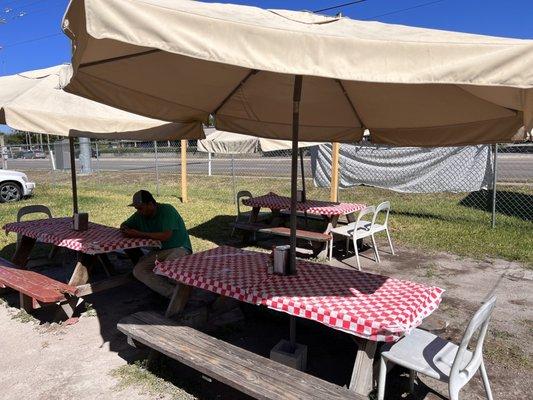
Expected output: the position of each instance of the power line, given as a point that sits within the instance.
(339, 6)
(30, 40)
(405, 9)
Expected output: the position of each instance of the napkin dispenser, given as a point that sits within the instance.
(281, 260)
(80, 221)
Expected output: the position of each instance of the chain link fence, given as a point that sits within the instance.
(511, 202)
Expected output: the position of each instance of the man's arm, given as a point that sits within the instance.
(161, 236)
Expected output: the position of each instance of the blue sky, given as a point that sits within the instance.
(30, 37)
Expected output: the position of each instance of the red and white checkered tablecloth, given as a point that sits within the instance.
(224, 270)
(327, 208)
(370, 306)
(97, 239)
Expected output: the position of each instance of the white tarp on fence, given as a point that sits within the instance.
(406, 169)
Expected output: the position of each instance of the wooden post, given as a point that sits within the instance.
(184, 198)
(334, 171)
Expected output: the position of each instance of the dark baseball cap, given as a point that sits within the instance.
(142, 197)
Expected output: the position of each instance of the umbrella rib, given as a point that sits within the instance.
(350, 103)
(242, 82)
(108, 60)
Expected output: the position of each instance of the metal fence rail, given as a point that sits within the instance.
(513, 174)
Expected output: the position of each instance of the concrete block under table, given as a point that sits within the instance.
(284, 354)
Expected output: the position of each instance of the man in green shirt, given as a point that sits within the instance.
(161, 222)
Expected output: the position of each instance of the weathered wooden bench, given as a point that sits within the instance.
(300, 234)
(247, 372)
(35, 289)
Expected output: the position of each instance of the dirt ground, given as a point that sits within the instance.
(43, 360)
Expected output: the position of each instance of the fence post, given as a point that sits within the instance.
(184, 195)
(494, 181)
(97, 157)
(156, 168)
(334, 194)
(209, 171)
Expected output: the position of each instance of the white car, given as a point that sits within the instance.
(14, 186)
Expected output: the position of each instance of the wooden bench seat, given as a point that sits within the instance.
(33, 285)
(300, 234)
(250, 226)
(247, 372)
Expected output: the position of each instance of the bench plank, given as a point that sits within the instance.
(250, 373)
(300, 234)
(33, 284)
(250, 226)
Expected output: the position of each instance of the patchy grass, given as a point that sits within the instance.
(512, 355)
(89, 310)
(429, 222)
(137, 375)
(24, 317)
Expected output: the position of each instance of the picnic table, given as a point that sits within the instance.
(329, 210)
(373, 308)
(91, 247)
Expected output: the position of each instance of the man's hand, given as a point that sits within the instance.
(131, 233)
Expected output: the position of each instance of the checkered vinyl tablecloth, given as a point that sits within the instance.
(97, 239)
(370, 306)
(327, 208)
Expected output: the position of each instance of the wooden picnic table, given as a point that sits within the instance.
(373, 308)
(329, 210)
(91, 247)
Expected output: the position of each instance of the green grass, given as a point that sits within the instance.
(137, 375)
(428, 222)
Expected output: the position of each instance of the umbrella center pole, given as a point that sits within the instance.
(73, 176)
(297, 94)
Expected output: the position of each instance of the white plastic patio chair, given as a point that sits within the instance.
(244, 216)
(34, 209)
(355, 230)
(377, 227)
(428, 354)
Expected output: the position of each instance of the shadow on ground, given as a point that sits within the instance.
(513, 204)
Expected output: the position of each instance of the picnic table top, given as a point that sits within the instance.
(97, 239)
(371, 306)
(327, 208)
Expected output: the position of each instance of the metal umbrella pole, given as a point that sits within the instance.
(73, 176)
(297, 94)
(304, 195)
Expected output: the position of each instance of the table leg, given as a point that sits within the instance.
(80, 275)
(362, 381)
(134, 254)
(331, 223)
(109, 268)
(254, 214)
(178, 300)
(23, 251)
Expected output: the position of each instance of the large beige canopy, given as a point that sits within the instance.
(181, 60)
(223, 142)
(33, 101)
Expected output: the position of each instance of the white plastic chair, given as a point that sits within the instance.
(355, 230)
(377, 227)
(34, 209)
(428, 354)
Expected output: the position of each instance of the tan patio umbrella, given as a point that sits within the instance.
(293, 75)
(33, 101)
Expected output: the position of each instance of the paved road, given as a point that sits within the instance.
(511, 167)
